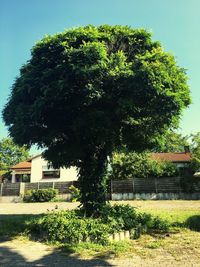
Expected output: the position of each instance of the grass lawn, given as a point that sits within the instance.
(174, 211)
(177, 212)
(12, 226)
(175, 244)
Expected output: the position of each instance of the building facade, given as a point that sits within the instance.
(38, 169)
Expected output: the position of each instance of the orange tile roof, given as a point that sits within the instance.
(22, 165)
(173, 157)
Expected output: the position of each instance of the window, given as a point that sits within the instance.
(49, 172)
(26, 178)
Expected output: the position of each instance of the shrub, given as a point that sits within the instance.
(72, 227)
(75, 193)
(124, 217)
(190, 184)
(66, 226)
(130, 165)
(121, 217)
(193, 223)
(40, 195)
(150, 222)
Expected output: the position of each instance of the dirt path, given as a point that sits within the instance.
(34, 208)
(27, 253)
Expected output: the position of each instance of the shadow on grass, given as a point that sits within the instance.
(8, 257)
(12, 225)
(15, 225)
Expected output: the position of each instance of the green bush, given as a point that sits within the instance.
(121, 217)
(72, 227)
(190, 184)
(150, 222)
(66, 226)
(75, 193)
(130, 165)
(193, 223)
(124, 217)
(40, 195)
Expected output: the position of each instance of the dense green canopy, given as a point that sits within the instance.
(11, 154)
(90, 90)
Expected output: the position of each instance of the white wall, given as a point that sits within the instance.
(69, 174)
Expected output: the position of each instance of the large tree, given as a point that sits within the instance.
(90, 90)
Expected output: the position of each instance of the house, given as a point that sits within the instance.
(38, 169)
(180, 159)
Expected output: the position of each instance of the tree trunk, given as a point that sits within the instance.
(92, 179)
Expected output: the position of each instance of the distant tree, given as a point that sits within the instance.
(139, 165)
(195, 149)
(172, 141)
(195, 144)
(11, 154)
(90, 90)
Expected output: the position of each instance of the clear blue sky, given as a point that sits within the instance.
(175, 23)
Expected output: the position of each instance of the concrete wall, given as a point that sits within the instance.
(18, 199)
(156, 196)
(69, 174)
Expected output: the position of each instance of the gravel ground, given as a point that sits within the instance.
(27, 253)
(34, 208)
(37, 208)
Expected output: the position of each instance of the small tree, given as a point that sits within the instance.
(90, 90)
(10, 154)
(171, 141)
(195, 149)
(139, 165)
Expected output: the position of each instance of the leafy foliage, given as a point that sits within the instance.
(195, 147)
(153, 222)
(171, 141)
(193, 222)
(73, 227)
(66, 226)
(90, 90)
(130, 165)
(75, 193)
(120, 217)
(40, 195)
(190, 183)
(11, 154)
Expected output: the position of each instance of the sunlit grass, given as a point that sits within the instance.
(177, 213)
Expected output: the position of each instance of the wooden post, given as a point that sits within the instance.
(1, 189)
(133, 186)
(156, 186)
(21, 189)
(179, 185)
(111, 189)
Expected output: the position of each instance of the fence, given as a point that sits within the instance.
(9, 189)
(147, 185)
(148, 188)
(17, 189)
(152, 188)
